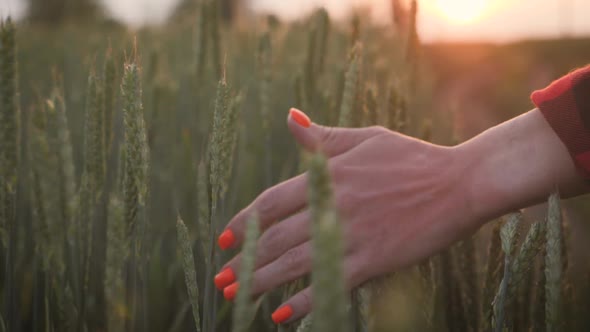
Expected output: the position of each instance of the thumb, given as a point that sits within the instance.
(330, 140)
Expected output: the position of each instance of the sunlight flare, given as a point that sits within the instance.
(462, 11)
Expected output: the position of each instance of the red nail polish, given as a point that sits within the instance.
(230, 291)
(282, 314)
(226, 239)
(224, 278)
(301, 118)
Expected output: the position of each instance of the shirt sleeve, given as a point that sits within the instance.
(565, 104)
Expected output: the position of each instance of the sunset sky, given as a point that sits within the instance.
(494, 20)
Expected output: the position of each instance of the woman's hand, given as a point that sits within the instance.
(400, 200)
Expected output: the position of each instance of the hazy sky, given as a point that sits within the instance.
(497, 20)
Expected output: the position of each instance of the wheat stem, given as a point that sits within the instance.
(350, 89)
(553, 264)
(190, 273)
(328, 284)
(244, 309)
(509, 237)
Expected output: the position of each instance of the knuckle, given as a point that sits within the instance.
(266, 203)
(377, 130)
(292, 260)
(271, 238)
(355, 275)
(306, 299)
(328, 135)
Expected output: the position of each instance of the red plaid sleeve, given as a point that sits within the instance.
(566, 106)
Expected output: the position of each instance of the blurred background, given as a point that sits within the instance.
(483, 44)
(471, 65)
(477, 20)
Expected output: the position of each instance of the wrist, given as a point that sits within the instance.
(514, 165)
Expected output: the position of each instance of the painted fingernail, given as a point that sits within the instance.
(230, 291)
(224, 278)
(226, 239)
(301, 118)
(282, 314)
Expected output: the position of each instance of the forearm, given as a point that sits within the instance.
(517, 164)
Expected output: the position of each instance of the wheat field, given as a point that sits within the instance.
(123, 154)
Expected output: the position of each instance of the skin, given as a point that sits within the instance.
(402, 196)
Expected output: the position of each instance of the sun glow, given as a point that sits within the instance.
(462, 11)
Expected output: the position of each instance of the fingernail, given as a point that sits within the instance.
(224, 278)
(282, 314)
(226, 239)
(230, 291)
(301, 118)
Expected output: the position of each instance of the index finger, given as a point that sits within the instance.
(275, 203)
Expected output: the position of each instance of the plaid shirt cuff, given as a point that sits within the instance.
(566, 106)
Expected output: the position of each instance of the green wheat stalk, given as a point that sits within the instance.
(94, 171)
(234, 130)
(509, 237)
(94, 136)
(135, 186)
(39, 151)
(219, 145)
(537, 311)
(8, 106)
(446, 290)
(350, 89)
(524, 292)
(8, 162)
(306, 324)
(355, 24)
(426, 132)
(83, 215)
(110, 95)
(456, 303)
(244, 309)
(370, 108)
(2, 324)
(67, 187)
(265, 83)
(328, 285)
(190, 273)
(65, 307)
(323, 30)
(65, 155)
(99, 220)
(467, 263)
(553, 264)
(214, 29)
(203, 208)
(298, 90)
(427, 293)
(309, 70)
(334, 115)
(493, 276)
(520, 269)
(201, 44)
(116, 249)
(402, 121)
(393, 100)
(568, 300)
(60, 180)
(135, 178)
(523, 261)
(412, 46)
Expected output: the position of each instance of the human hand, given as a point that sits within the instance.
(399, 199)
